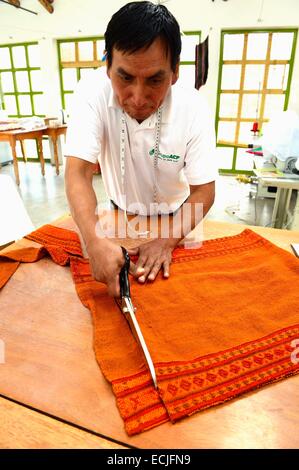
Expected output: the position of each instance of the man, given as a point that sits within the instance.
(155, 142)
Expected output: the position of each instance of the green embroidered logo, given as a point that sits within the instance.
(163, 156)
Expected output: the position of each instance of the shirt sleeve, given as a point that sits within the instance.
(200, 160)
(85, 129)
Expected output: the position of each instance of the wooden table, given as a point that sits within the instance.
(37, 134)
(50, 366)
(53, 133)
(24, 428)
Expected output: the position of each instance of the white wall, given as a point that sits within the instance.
(76, 18)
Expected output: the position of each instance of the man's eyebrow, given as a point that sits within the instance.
(158, 74)
(121, 71)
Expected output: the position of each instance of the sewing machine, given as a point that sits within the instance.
(290, 166)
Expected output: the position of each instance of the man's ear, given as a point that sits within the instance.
(175, 74)
(108, 70)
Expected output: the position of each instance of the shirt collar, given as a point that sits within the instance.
(112, 102)
(166, 106)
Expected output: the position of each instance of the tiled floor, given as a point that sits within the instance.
(45, 199)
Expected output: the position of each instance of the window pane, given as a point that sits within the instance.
(22, 81)
(10, 104)
(231, 75)
(281, 47)
(278, 76)
(233, 46)
(25, 105)
(85, 50)
(34, 55)
(224, 157)
(100, 49)
(243, 161)
(67, 51)
(245, 134)
(86, 72)
(251, 106)
(19, 57)
(257, 46)
(4, 58)
(36, 80)
(226, 131)
(39, 104)
(188, 47)
(273, 104)
(254, 76)
(7, 84)
(68, 98)
(229, 105)
(69, 77)
(187, 75)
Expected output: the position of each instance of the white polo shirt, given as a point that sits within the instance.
(186, 149)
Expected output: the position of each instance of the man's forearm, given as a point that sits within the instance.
(83, 202)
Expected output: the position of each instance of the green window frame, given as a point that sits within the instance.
(184, 64)
(72, 68)
(238, 97)
(13, 71)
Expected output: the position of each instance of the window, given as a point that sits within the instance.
(187, 60)
(20, 80)
(254, 82)
(77, 57)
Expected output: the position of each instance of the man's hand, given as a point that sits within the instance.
(156, 254)
(106, 260)
(153, 256)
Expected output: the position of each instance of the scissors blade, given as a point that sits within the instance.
(128, 310)
(129, 313)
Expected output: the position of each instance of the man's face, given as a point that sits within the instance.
(141, 80)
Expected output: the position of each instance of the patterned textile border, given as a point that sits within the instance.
(189, 386)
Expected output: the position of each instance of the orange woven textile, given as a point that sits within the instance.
(220, 326)
(60, 244)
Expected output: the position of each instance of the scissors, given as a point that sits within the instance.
(128, 310)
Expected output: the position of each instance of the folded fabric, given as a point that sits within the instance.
(220, 326)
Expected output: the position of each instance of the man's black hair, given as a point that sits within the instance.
(136, 26)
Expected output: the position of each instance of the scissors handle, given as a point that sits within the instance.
(124, 276)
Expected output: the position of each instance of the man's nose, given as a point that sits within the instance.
(139, 95)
